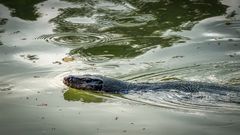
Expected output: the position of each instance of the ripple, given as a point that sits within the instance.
(5, 87)
(134, 21)
(209, 100)
(29, 83)
(98, 58)
(201, 101)
(76, 39)
(122, 48)
(219, 72)
(81, 20)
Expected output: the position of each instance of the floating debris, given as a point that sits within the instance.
(36, 76)
(68, 59)
(16, 32)
(177, 57)
(31, 57)
(57, 62)
(43, 104)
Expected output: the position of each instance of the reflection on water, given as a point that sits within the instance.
(140, 25)
(83, 96)
(3, 21)
(138, 41)
(125, 47)
(24, 9)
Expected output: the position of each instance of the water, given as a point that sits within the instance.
(138, 41)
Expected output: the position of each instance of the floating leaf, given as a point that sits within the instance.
(68, 59)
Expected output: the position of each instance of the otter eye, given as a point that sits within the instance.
(72, 79)
(87, 80)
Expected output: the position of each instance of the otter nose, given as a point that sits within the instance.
(65, 80)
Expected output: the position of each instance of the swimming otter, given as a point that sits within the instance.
(106, 84)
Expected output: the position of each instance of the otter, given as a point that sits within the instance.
(111, 85)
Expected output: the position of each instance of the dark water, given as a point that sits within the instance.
(41, 41)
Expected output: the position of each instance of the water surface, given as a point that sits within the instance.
(138, 41)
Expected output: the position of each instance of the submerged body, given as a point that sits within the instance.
(106, 84)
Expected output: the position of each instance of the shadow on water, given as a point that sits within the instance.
(24, 9)
(131, 27)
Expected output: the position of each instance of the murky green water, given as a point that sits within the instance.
(41, 41)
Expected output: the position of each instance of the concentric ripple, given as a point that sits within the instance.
(76, 39)
(123, 47)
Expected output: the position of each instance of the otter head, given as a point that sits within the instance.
(85, 82)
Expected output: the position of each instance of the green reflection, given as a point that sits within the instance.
(159, 15)
(3, 21)
(84, 96)
(143, 22)
(24, 9)
(126, 48)
(108, 51)
(171, 14)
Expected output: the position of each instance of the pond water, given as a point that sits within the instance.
(41, 41)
